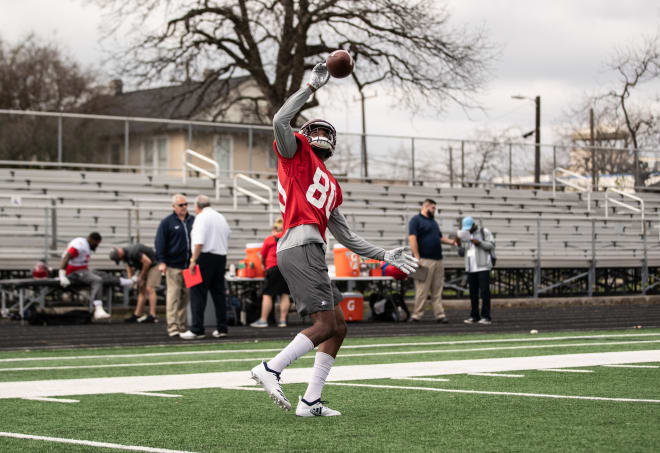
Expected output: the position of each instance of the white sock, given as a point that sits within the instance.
(98, 303)
(298, 347)
(322, 364)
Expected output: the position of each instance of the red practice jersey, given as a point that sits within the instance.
(308, 192)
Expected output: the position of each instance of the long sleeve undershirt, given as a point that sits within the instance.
(287, 146)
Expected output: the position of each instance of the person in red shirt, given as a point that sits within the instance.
(310, 197)
(274, 283)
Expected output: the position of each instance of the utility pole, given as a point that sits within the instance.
(537, 140)
(537, 135)
(365, 167)
(592, 140)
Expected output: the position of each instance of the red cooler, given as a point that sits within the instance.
(353, 306)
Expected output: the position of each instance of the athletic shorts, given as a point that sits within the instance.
(304, 269)
(153, 277)
(274, 283)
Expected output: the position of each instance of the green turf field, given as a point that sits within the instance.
(440, 393)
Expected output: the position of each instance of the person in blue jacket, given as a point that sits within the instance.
(173, 252)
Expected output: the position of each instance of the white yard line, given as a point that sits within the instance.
(161, 395)
(52, 400)
(362, 346)
(480, 392)
(631, 366)
(497, 375)
(430, 379)
(231, 379)
(90, 443)
(311, 356)
(564, 370)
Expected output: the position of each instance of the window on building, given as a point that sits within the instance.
(222, 153)
(154, 155)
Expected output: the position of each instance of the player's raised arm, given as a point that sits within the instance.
(284, 138)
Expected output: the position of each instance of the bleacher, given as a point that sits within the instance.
(129, 206)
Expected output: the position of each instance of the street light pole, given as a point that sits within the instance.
(537, 135)
(537, 140)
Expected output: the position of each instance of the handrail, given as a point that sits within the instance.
(568, 183)
(625, 205)
(268, 202)
(215, 177)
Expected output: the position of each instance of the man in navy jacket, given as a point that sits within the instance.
(173, 252)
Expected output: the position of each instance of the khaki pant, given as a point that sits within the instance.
(433, 284)
(176, 301)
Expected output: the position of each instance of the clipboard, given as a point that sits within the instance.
(192, 279)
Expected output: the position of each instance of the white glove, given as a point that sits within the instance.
(399, 258)
(134, 278)
(64, 282)
(319, 77)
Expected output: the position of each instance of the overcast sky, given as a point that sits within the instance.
(554, 49)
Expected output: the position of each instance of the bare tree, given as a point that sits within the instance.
(38, 75)
(634, 66)
(407, 44)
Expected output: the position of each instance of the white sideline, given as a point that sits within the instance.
(561, 370)
(430, 379)
(362, 346)
(161, 395)
(311, 356)
(94, 386)
(496, 375)
(481, 392)
(52, 400)
(631, 366)
(90, 443)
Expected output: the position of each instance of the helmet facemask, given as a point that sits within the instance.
(324, 141)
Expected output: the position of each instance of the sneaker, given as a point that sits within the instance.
(314, 409)
(470, 321)
(147, 319)
(100, 313)
(413, 320)
(259, 324)
(132, 319)
(219, 334)
(442, 320)
(485, 321)
(190, 335)
(281, 324)
(173, 334)
(270, 381)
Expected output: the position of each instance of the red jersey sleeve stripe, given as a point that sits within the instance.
(73, 252)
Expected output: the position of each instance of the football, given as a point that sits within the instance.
(339, 64)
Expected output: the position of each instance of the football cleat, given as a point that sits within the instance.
(314, 409)
(270, 381)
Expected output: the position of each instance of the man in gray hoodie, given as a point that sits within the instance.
(478, 247)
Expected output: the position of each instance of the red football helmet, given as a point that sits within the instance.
(40, 270)
(319, 141)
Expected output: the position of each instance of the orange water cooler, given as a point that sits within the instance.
(347, 263)
(352, 306)
(253, 257)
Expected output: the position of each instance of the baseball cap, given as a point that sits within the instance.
(467, 223)
(114, 255)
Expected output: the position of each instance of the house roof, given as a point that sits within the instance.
(191, 100)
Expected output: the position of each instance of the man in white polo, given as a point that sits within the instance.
(210, 240)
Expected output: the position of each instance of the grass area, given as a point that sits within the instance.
(374, 419)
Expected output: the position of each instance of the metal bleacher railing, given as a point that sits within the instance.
(456, 162)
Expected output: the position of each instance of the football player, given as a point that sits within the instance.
(309, 199)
